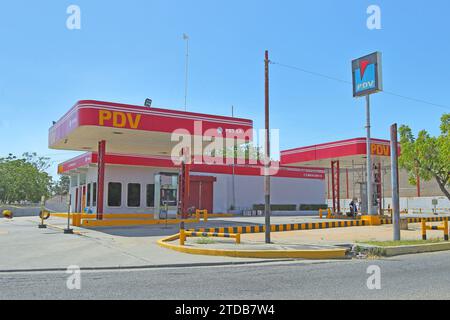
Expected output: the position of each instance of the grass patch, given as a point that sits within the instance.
(400, 243)
(205, 240)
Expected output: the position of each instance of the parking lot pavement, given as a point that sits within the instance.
(25, 247)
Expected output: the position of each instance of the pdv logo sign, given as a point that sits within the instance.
(367, 75)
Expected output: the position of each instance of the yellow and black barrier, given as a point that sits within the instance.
(443, 227)
(307, 226)
(184, 234)
(285, 227)
(416, 220)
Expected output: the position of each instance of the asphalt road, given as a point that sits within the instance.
(424, 276)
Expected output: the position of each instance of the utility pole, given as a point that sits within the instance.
(186, 37)
(395, 187)
(267, 152)
(369, 160)
(233, 179)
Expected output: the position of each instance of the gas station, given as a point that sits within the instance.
(128, 167)
(144, 160)
(345, 162)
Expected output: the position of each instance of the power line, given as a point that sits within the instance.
(311, 72)
(416, 100)
(317, 74)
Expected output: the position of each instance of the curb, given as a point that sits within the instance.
(147, 267)
(328, 254)
(128, 223)
(411, 249)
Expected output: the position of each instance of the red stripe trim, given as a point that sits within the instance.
(87, 113)
(333, 150)
(166, 111)
(330, 144)
(166, 162)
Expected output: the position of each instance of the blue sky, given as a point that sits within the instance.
(129, 50)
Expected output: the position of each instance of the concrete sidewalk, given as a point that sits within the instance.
(26, 247)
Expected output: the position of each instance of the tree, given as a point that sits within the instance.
(246, 151)
(24, 179)
(61, 187)
(427, 157)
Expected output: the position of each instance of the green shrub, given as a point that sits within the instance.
(276, 207)
(313, 207)
(205, 240)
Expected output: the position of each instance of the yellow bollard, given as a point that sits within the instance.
(446, 229)
(320, 213)
(197, 215)
(424, 229)
(205, 215)
(76, 219)
(238, 238)
(182, 234)
(7, 214)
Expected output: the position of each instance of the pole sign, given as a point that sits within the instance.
(366, 72)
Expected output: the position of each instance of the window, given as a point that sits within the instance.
(134, 195)
(94, 194)
(150, 195)
(88, 196)
(114, 194)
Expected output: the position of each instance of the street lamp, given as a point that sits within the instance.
(148, 103)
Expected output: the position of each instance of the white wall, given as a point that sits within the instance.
(249, 190)
(412, 204)
(124, 175)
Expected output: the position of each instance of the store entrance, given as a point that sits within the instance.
(201, 192)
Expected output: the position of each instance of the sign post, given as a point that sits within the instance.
(267, 210)
(42, 225)
(395, 187)
(68, 230)
(367, 79)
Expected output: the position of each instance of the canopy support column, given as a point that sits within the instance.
(100, 178)
(183, 184)
(335, 185)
